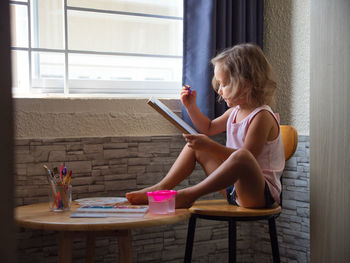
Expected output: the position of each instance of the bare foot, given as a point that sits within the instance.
(184, 199)
(140, 197)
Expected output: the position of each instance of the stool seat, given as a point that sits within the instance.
(221, 207)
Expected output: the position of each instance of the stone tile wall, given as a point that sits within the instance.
(115, 165)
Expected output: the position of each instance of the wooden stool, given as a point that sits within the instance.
(221, 210)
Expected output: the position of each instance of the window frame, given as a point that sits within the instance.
(121, 87)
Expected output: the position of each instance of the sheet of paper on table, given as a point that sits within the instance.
(124, 211)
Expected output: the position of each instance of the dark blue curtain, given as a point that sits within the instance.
(209, 27)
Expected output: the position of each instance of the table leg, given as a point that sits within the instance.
(90, 248)
(65, 247)
(125, 246)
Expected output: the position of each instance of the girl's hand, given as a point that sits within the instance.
(188, 97)
(198, 142)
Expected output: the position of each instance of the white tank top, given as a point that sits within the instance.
(271, 159)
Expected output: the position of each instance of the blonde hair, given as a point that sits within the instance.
(247, 66)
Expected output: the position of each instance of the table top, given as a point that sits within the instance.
(39, 216)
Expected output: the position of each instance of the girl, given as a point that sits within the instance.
(251, 163)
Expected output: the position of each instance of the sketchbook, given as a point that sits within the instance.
(103, 215)
(101, 201)
(170, 116)
(110, 211)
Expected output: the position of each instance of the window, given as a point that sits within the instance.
(106, 48)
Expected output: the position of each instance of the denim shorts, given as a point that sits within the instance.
(231, 196)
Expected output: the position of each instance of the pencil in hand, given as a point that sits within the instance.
(188, 87)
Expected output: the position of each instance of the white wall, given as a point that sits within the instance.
(62, 118)
(287, 46)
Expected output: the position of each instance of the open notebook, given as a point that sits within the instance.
(170, 116)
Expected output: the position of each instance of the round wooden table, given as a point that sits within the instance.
(38, 216)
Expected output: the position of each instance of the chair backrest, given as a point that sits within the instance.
(290, 140)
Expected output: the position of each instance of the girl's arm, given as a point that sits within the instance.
(263, 128)
(203, 124)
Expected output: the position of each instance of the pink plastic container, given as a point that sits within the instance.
(161, 201)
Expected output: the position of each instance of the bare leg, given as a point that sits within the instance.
(180, 170)
(241, 169)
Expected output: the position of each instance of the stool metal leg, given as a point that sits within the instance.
(190, 238)
(274, 240)
(232, 241)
